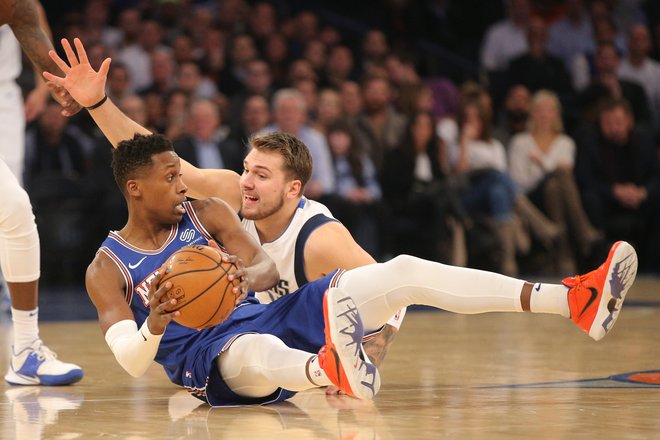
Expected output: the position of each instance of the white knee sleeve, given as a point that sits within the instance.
(19, 239)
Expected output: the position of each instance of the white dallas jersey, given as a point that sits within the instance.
(288, 249)
(10, 55)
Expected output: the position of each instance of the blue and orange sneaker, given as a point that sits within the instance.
(38, 365)
(595, 299)
(343, 358)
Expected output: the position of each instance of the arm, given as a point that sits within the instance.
(134, 349)
(87, 87)
(223, 224)
(31, 29)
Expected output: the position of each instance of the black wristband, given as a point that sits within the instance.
(98, 104)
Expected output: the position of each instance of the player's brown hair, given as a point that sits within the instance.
(297, 160)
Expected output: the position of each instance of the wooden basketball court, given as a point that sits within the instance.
(447, 376)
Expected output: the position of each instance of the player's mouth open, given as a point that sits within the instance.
(249, 199)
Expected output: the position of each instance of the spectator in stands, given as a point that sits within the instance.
(617, 171)
(189, 79)
(207, 145)
(255, 117)
(262, 21)
(328, 111)
(506, 39)
(488, 193)
(356, 200)
(258, 81)
(638, 67)
(512, 119)
(418, 195)
(572, 34)
(162, 73)
(541, 163)
(536, 69)
(137, 56)
(379, 126)
(374, 48)
(118, 84)
(53, 148)
(290, 116)
(177, 108)
(351, 99)
(276, 53)
(339, 68)
(607, 84)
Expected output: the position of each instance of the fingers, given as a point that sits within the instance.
(70, 54)
(105, 67)
(59, 61)
(82, 55)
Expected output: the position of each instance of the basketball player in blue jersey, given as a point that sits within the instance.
(266, 352)
(300, 235)
(23, 25)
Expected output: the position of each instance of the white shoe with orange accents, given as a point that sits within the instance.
(595, 299)
(343, 358)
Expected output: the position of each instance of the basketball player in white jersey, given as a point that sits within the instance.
(300, 235)
(32, 363)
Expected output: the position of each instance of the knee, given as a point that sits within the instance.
(16, 211)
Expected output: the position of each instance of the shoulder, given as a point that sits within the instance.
(330, 247)
(102, 271)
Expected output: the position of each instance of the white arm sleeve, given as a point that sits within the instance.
(134, 349)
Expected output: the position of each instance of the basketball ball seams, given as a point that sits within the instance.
(216, 281)
(194, 277)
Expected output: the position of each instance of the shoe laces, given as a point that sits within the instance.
(44, 352)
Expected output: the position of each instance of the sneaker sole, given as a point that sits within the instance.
(620, 276)
(359, 384)
(73, 376)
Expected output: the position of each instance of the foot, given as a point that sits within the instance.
(595, 299)
(343, 358)
(38, 365)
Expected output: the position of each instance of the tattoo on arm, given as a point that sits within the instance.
(33, 39)
(379, 345)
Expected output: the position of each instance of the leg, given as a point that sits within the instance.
(32, 363)
(593, 300)
(256, 365)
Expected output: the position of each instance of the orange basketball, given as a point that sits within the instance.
(200, 285)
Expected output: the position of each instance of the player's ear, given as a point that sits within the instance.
(295, 188)
(132, 188)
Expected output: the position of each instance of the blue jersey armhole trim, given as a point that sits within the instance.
(299, 255)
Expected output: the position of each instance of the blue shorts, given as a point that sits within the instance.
(297, 319)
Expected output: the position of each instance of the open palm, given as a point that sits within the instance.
(83, 83)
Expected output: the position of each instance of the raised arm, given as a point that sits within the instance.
(87, 87)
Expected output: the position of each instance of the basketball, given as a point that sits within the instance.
(200, 285)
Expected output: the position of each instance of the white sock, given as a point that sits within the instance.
(316, 374)
(26, 327)
(550, 298)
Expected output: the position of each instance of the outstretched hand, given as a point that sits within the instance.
(80, 80)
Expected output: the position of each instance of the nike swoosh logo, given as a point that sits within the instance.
(594, 295)
(537, 287)
(133, 266)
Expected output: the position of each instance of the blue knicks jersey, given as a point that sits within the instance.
(138, 266)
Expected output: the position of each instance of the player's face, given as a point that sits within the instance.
(264, 185)
(163, 190)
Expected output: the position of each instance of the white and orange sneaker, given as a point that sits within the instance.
(343, 358)
(595, 299)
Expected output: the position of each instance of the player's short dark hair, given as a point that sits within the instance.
(134, 154)
(297, 159)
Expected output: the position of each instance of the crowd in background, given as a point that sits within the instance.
(516, 136)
